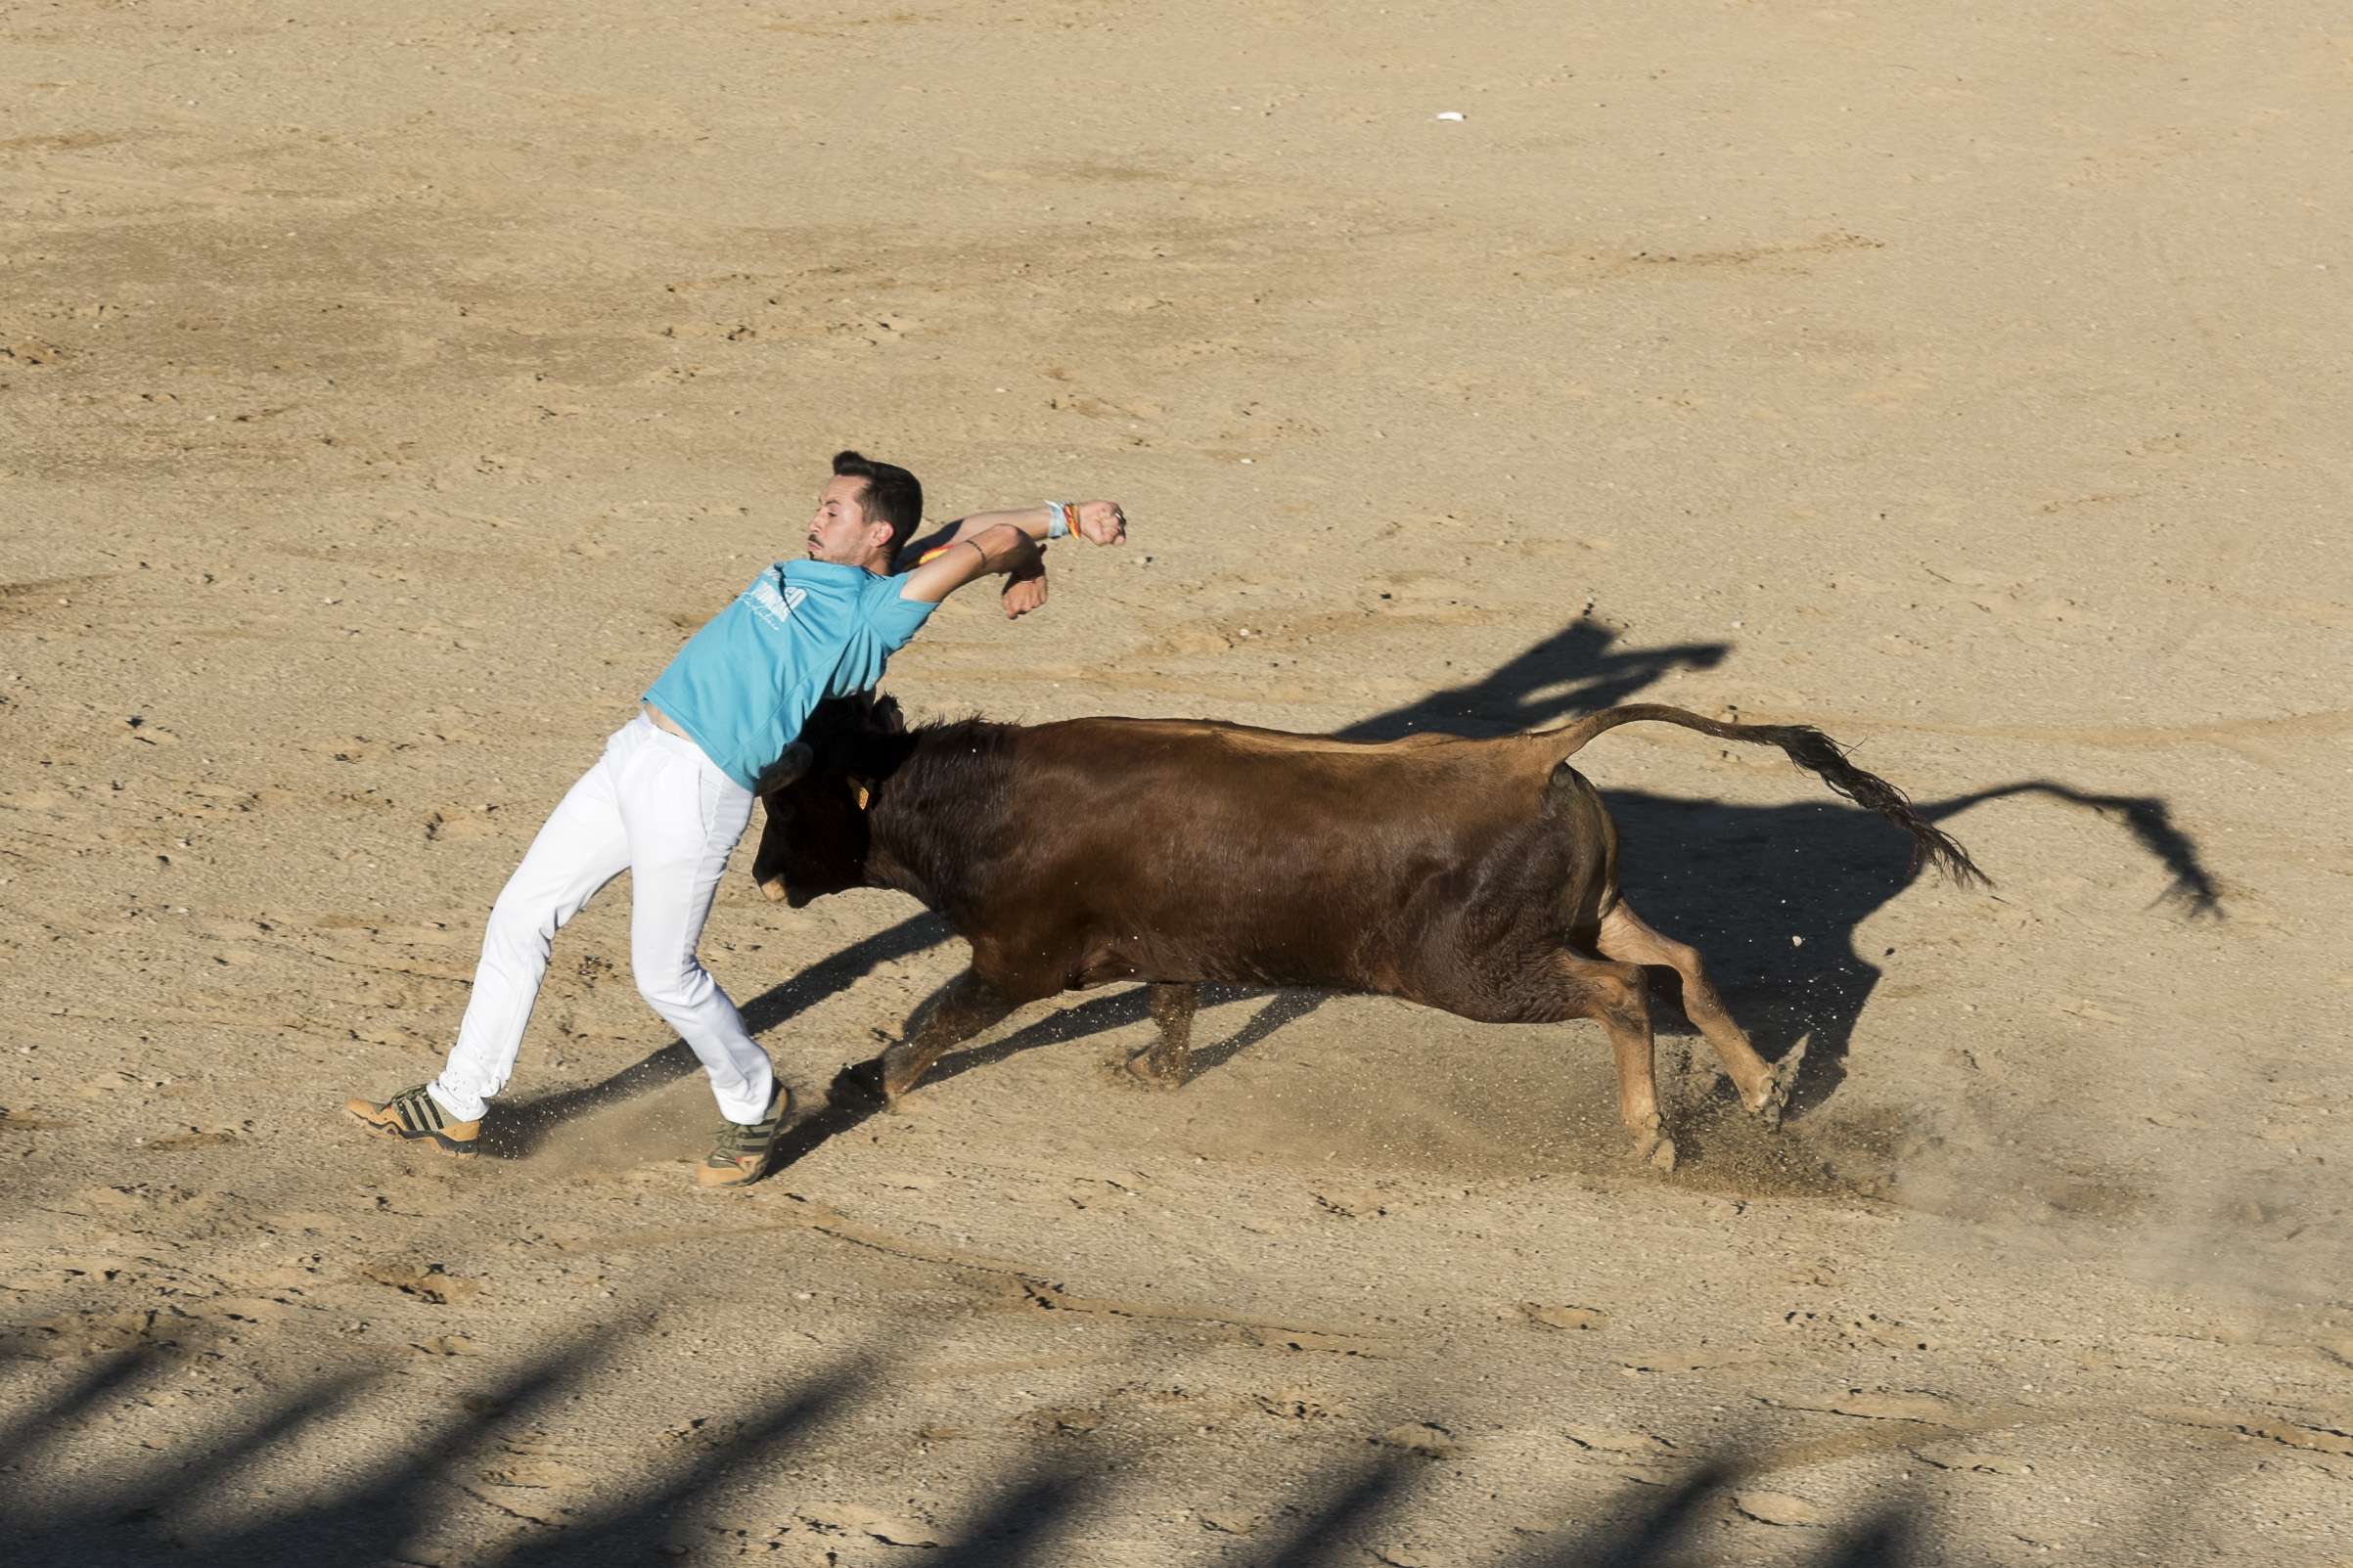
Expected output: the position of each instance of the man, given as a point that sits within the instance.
(673, 792)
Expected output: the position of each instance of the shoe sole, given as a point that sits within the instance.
(444, 1146)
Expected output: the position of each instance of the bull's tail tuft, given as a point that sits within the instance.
(1818, 754)
(1823, 758)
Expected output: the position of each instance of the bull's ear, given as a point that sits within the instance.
(788, 770)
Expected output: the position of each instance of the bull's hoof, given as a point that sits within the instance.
(1651, 1143)
(1148, 1066)
(897, 1071)
(861, 1081)
(1775, 1098)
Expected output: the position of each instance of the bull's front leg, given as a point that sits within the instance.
(962, 1009)
(1169, 1062)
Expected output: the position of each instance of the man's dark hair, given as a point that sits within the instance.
(892, 494)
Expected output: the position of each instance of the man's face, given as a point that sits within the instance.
(841, 532)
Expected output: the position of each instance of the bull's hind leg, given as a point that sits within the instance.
(1616, 997)
(1169, 1062)
(1764, 1088)
(950, 1018)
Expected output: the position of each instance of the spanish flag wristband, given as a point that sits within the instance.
(1062, 521)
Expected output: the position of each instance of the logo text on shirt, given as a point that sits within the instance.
(771, 603)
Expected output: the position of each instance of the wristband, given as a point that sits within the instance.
(1064, 520)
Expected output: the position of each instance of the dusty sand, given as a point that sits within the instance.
(387, 389)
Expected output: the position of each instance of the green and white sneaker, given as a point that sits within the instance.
(739, 1154)
(414, 1116)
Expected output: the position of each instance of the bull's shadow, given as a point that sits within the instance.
(1119, 1010)
(1774, 896)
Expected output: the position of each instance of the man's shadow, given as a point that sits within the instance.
(1575, 671)
(1739, 882)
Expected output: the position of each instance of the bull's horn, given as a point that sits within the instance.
(787, 770)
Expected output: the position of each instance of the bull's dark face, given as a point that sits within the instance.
(818, 795)
(816, 839)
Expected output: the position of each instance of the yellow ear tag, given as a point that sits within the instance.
(863, 796)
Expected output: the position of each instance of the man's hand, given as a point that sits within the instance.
(1101, 522)
(1024, 592)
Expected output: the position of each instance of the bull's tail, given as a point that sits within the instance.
(1818, 754)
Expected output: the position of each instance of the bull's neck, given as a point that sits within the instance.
(936, 820)
(895, 857)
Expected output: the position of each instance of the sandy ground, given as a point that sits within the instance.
(386, 390)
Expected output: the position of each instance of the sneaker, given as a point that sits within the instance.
(415, 1116)
(739, 1154)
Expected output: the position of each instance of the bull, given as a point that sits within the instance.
(1475, 876)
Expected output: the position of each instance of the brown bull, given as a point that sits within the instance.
(1479, 877)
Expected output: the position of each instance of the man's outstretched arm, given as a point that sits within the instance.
(1101, 521)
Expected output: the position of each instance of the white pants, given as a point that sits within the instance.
(655, 807)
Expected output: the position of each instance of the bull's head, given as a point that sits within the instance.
(818, 794)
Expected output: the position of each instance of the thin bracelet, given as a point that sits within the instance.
(976, 545)
(1058, 526)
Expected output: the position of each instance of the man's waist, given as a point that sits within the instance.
(663, 721)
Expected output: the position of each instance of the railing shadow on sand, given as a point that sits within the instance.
(419, 1499)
